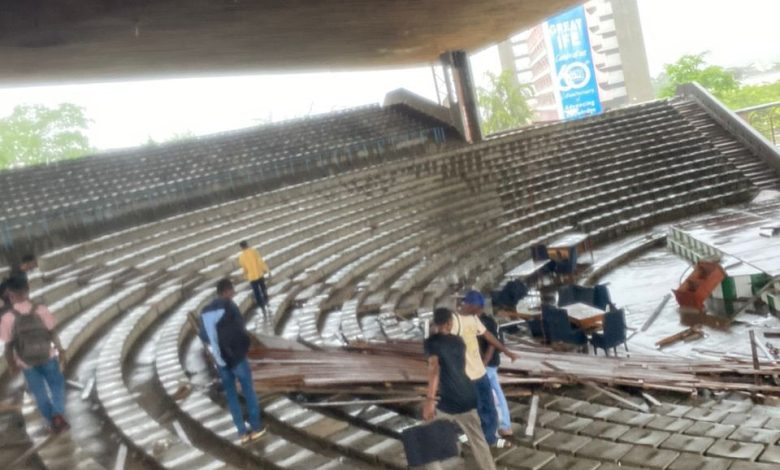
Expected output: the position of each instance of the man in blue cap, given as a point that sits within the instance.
(468, 326)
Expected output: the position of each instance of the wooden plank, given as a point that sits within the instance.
(121, 458)
(643, 407)
(87, 391)
(650, 399)
(532, 412)
(326, 404)
(754, 351)
(656, 312)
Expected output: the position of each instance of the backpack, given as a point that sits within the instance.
(232, 338)
(31, 339)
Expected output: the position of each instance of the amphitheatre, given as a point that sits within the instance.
(369, 218)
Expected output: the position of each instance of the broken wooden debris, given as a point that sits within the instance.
(656, 312)
(532, 412)
(615, 396)
(754, 351)
(691, 333)
(390, 370)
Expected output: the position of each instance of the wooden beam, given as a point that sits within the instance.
(529, 429)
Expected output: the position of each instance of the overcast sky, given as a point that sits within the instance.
(126, 114)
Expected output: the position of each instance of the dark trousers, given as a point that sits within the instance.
(486, 408)
(260, 291)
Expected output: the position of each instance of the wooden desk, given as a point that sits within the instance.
(584, 316)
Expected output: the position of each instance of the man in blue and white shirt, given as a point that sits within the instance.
(223, 329)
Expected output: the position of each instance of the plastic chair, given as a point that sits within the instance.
(614, 333)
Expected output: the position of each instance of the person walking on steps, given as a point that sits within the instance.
(255, 270)
(470, 328)
(32, 346)
(447, 377)
(492, 359)
(223, 329)
(21, 270)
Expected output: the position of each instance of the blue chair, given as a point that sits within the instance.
(601, 297)
(557, 327)
(539, 253)
(596, 296)
(614, 333)
(567, 295)
(535, 327)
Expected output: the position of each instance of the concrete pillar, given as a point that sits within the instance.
(467, 95)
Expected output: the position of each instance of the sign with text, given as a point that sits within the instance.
(576, 76)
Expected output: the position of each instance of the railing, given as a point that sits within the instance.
(214, 187)
(765, 118)
(746, 134)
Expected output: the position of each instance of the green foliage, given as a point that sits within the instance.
(724, 85)
(504, 103)
(176, 137)
(754, 95)
(693, 68)
(35, 134)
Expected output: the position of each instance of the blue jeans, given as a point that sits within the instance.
(243, 373)
(47, 384)
(503, 408)
(486, 409)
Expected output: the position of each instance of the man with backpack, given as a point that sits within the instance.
(255, 269)
(27, 329)
(222, 328)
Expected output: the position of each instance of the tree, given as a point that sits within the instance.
(726, 87)
(175, 137)
(693, 68)
(504, 103)
(34, 134)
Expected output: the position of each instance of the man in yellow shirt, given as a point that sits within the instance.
(468, 326)
(255, 270)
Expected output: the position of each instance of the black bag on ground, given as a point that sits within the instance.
(430, 442)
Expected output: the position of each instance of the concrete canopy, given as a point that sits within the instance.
(86, 40)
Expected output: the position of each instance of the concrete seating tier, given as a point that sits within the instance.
(756, 170)
(729, 432)
(194, 172)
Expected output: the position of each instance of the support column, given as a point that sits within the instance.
(467, 97)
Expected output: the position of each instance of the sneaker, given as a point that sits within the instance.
(252, 436)
(58, 424)
(502, 443)
(255, 435)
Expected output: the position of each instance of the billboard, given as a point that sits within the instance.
(573, 62)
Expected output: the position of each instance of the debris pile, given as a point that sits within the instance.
(399, 369)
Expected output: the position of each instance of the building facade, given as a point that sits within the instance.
(602, 38)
